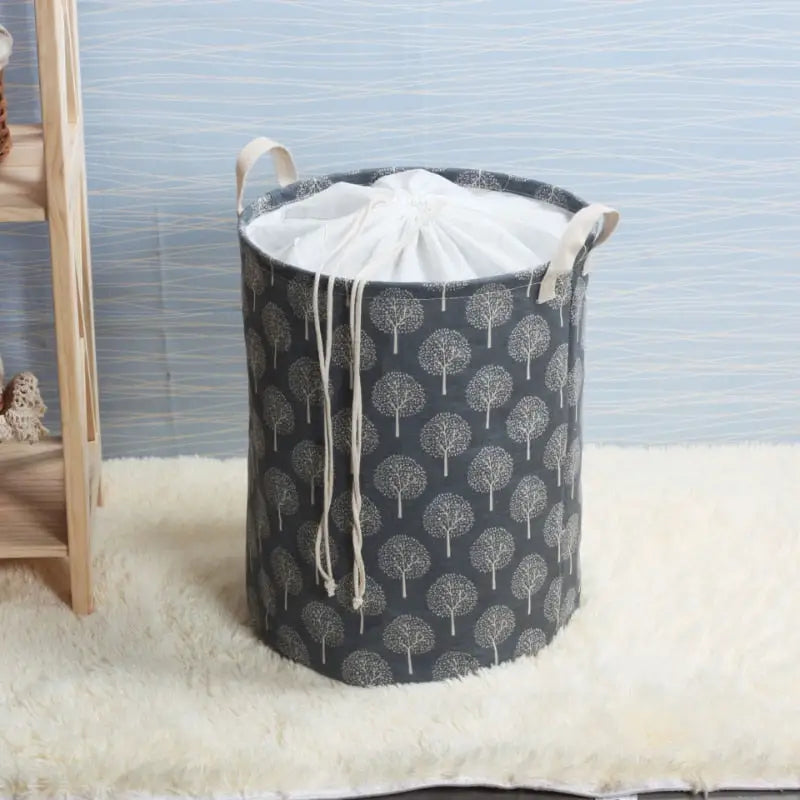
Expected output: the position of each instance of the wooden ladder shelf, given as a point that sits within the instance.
(49, 491)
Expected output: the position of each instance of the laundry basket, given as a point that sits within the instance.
(415, 357)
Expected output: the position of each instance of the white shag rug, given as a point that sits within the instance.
(680, 671)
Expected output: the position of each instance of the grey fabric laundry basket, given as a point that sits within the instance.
(470, 452)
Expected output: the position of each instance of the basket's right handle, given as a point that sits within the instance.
(251, 152)
(572, 240)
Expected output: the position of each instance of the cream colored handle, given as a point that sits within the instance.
(251, 152)
(572, 240)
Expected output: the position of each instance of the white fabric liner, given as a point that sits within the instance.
(425, 228)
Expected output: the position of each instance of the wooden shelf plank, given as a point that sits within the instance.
(23, 191)
(33, 516)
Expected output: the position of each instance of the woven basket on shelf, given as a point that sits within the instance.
(6, 43)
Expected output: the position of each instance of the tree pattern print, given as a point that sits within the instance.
(555, 378)
(471, 438)
(453, 664)
(529, 339)
(276, 331)
(281, 494)
(402, 557)
(452, 596)
(400, 477)
(445, 435)
(374, 603)
(492, 551)
(365, 668)
(488, 308)
(398, 395)
(277, 414)
(489, 388)
(493, 627)
(396, 311)
(305, 384)
(324, 625)
(448, 516)
(529, 577)
(445, 352)
(342, 351)
(528, 501)
(527, 421)
(490, 471)
(530, 642)
(410, 636)
(308, 463)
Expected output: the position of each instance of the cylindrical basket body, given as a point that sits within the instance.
(470, 462)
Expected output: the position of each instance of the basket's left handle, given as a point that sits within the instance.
(251, 152)
(573, 239)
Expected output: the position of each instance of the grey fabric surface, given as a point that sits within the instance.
(505, 410)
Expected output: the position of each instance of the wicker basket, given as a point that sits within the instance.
(6, 43)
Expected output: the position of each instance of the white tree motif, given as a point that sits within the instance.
(443, 288)
(451, 596)
(374, 603)
(402, 558)
(572, 465)
(528, 500)
(308, 186)
(276, 330)
(308, 464)
(397, 394)
(478, 179)
(490, 471)
(555, 376)
(256, 357)
(342, 514)
(254, 277)
(489, 307)
(286, 574)
(300, 293)
(490, 387)
(552, 602)
(342, 351)
(396, 311)
(530, 642)
(454, 665)
(278, 414)
(493, 627)
(528, 577)
(305, 383)
(342, 432)
(563, 295)
(529, 339)
(578, 308)
(568, 606)
(324, 625)
(575, 385)
(401, 477)
(365, 668)
(292, 646)
(281, 493)
(556, 451)
(445, 352)
(409, 635)
(307, 547)
(445, 435)
(492, 551)
(554, 528)
(527, 421)
(448, 516)
(572, 538)
(257, 440)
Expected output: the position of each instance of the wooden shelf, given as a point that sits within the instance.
(33, 515)
(23, 189)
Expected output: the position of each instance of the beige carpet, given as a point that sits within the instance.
(681, 670)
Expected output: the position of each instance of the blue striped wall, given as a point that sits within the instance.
(685, 115)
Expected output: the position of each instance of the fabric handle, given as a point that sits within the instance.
(251, 152)
(572, 240)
